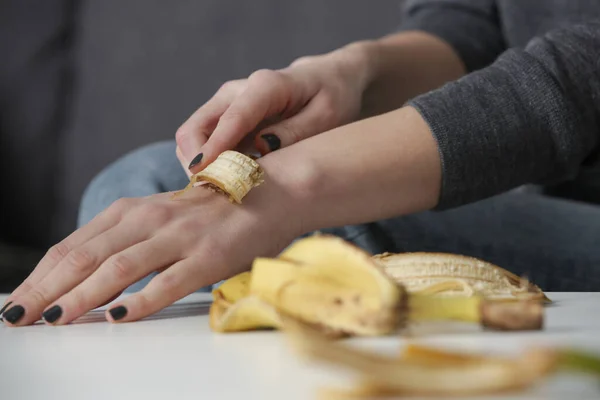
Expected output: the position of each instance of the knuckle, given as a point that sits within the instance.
(328, 107)
(293, 134)
(180, 134)
(213, 249)
(155, 213)
(188, 227)
(143, 304)
(227, 86)
(81, 260)
(267, 77)
(122, 267)
(78, 301)
(57, 252)
(302, 60)
(121, 205)
(168, 282)
(236, 120)
(39, 296)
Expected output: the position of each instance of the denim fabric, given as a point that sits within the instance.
(555, 242)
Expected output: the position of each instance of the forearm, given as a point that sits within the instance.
(372, 169)
(404, 65)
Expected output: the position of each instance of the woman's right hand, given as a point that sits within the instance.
(276, 108)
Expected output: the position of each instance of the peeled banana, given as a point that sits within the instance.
(328, 283)
(232, 173)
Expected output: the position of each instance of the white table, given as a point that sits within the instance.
(175, 355)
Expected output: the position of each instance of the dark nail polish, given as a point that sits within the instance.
(118, 312)
(52, 314)
(272, 140)
(14, 314)
(196, 161)
(5, 307)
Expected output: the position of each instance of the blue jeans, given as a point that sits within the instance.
(554, 242)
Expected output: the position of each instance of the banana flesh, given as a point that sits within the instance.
(232, 173)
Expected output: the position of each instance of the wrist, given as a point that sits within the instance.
(336, 179)
(283, 200)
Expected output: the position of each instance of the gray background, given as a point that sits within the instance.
(84, 82)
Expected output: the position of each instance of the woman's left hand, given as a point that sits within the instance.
(196, 240)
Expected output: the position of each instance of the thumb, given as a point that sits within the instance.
(312, 120)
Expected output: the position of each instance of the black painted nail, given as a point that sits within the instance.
(272, 140)
(14, 314)
(196, 161)
(118, 312)
(52, 314)
(5, 307)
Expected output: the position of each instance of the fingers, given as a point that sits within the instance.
(184, 163)
(318, 116)
(101, 223)
(115, 275)
(173, 284)
(268, 93)
(192, 135)
(75, 267)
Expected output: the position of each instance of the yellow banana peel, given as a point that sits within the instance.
(328, 283)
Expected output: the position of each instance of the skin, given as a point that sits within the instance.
(201, 238)
(316, 94)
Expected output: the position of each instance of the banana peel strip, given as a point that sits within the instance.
(457, 275)
(422, 371)
(232, 173)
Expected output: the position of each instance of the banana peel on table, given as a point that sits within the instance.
(427, 371)
(342, 290)
(322, 288)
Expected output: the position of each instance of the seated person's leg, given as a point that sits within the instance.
(553, 242)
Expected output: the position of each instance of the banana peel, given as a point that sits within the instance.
(422, 370)
(454, 275)
(428, 371)
(340, 289)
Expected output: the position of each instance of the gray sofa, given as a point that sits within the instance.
(84, 82)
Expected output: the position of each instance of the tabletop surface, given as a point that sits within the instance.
(175, 355)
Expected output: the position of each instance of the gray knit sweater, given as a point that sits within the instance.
(529, 109)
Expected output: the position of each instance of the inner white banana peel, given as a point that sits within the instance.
(456, 275)
(232, 173)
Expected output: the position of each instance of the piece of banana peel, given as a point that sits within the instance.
(456, 275)
(425, 371)
(341, 290)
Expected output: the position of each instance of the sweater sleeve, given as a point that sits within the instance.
(532, 116)
(470, 27)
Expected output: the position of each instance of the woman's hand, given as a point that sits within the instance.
(274, 109)
(196, 240)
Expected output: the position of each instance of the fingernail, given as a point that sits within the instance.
(118, 312)
(196, 161)
(14, 314)
(272, 140)
(52, 314)
(5, 307)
